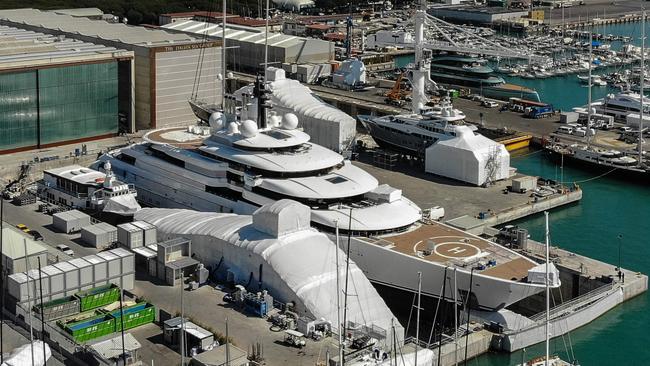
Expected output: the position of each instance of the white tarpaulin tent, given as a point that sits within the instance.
(475, 158)
(122, 205)
(327, 126)
(276, 250)
(22, 355)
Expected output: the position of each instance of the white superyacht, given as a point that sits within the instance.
(244, 164)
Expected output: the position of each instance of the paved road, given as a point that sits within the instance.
(42, 223)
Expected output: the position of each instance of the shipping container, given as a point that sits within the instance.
(97, 297)
(130, 235)
(91, 328)
(149, 232)
(70, 277)
(113, 264)
(57, 281)
(59, 308)
(18, 286)
(128, 259)
(99, 235)
(70, 221)
(85, 268)
(99, 268)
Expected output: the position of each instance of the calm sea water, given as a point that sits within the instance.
(609, 207)
(566, 92)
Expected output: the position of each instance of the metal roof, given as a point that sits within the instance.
(14, 242)
(80, 12)
(241, 34)
(112, 348)
(25, 47)
(117, 32)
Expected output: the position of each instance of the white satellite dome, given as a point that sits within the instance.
(290, 121)
(249, 128)
(233, 127)
(275, 120)
(216, 120)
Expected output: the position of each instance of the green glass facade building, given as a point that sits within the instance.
(49, 106)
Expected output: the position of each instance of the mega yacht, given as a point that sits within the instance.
(411, 134)
(474, 73)
(621, 104)
(239, 165)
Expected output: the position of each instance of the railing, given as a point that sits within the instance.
(583, 299)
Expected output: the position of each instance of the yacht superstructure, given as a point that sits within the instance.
(621, 104)
(244, 164)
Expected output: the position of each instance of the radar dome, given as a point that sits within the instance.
(233, 128)
(249, 128)
(216, 121)
(290, 121)
(275, 120)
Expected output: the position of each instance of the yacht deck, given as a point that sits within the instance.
(448, 246)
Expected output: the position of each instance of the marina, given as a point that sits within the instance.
(425, 190)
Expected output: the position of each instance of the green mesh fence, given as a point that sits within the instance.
(18, 110)
(75, 102)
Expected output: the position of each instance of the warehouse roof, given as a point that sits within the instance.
(80, 12)
(15, 241)
(239, 34)
(20, 48)
(117, 32)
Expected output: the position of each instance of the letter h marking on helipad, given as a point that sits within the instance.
(457, 250)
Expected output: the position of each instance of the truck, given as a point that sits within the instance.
(540, 111)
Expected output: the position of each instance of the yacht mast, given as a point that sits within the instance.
(455, 319)
(338, 297)
(417, 100)
(591, 41)
(641, 85)
(548, 305)
(417, 318)
(223, 56)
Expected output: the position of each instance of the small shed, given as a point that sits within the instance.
(109, 352)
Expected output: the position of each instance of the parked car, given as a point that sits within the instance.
(23, 227)
(36, 235)
(567, 130)
(489, 104)
(65, 249)
(477, 98)
(625, 129)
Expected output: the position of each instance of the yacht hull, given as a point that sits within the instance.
(408, 144)
(597, 169)
(393, 269)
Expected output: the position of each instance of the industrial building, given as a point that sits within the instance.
(247, 53)
(476, 14)
(276, 250)
(15, 244)
(57, 90)
(166, 64)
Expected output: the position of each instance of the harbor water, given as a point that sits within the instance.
(566, 92)
(610, 207)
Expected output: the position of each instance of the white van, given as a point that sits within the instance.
(567, 130)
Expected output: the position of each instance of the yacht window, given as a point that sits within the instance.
(276, 134)
(336, 180)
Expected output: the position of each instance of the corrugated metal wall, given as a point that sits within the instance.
(175, 79)
(75, 102)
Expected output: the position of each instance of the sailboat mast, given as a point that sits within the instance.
(591, 41)
(223, 56)
(338, 297)
(548, 303)
(266, 38)
(641, 86)
(455, 318)
(417, 318)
